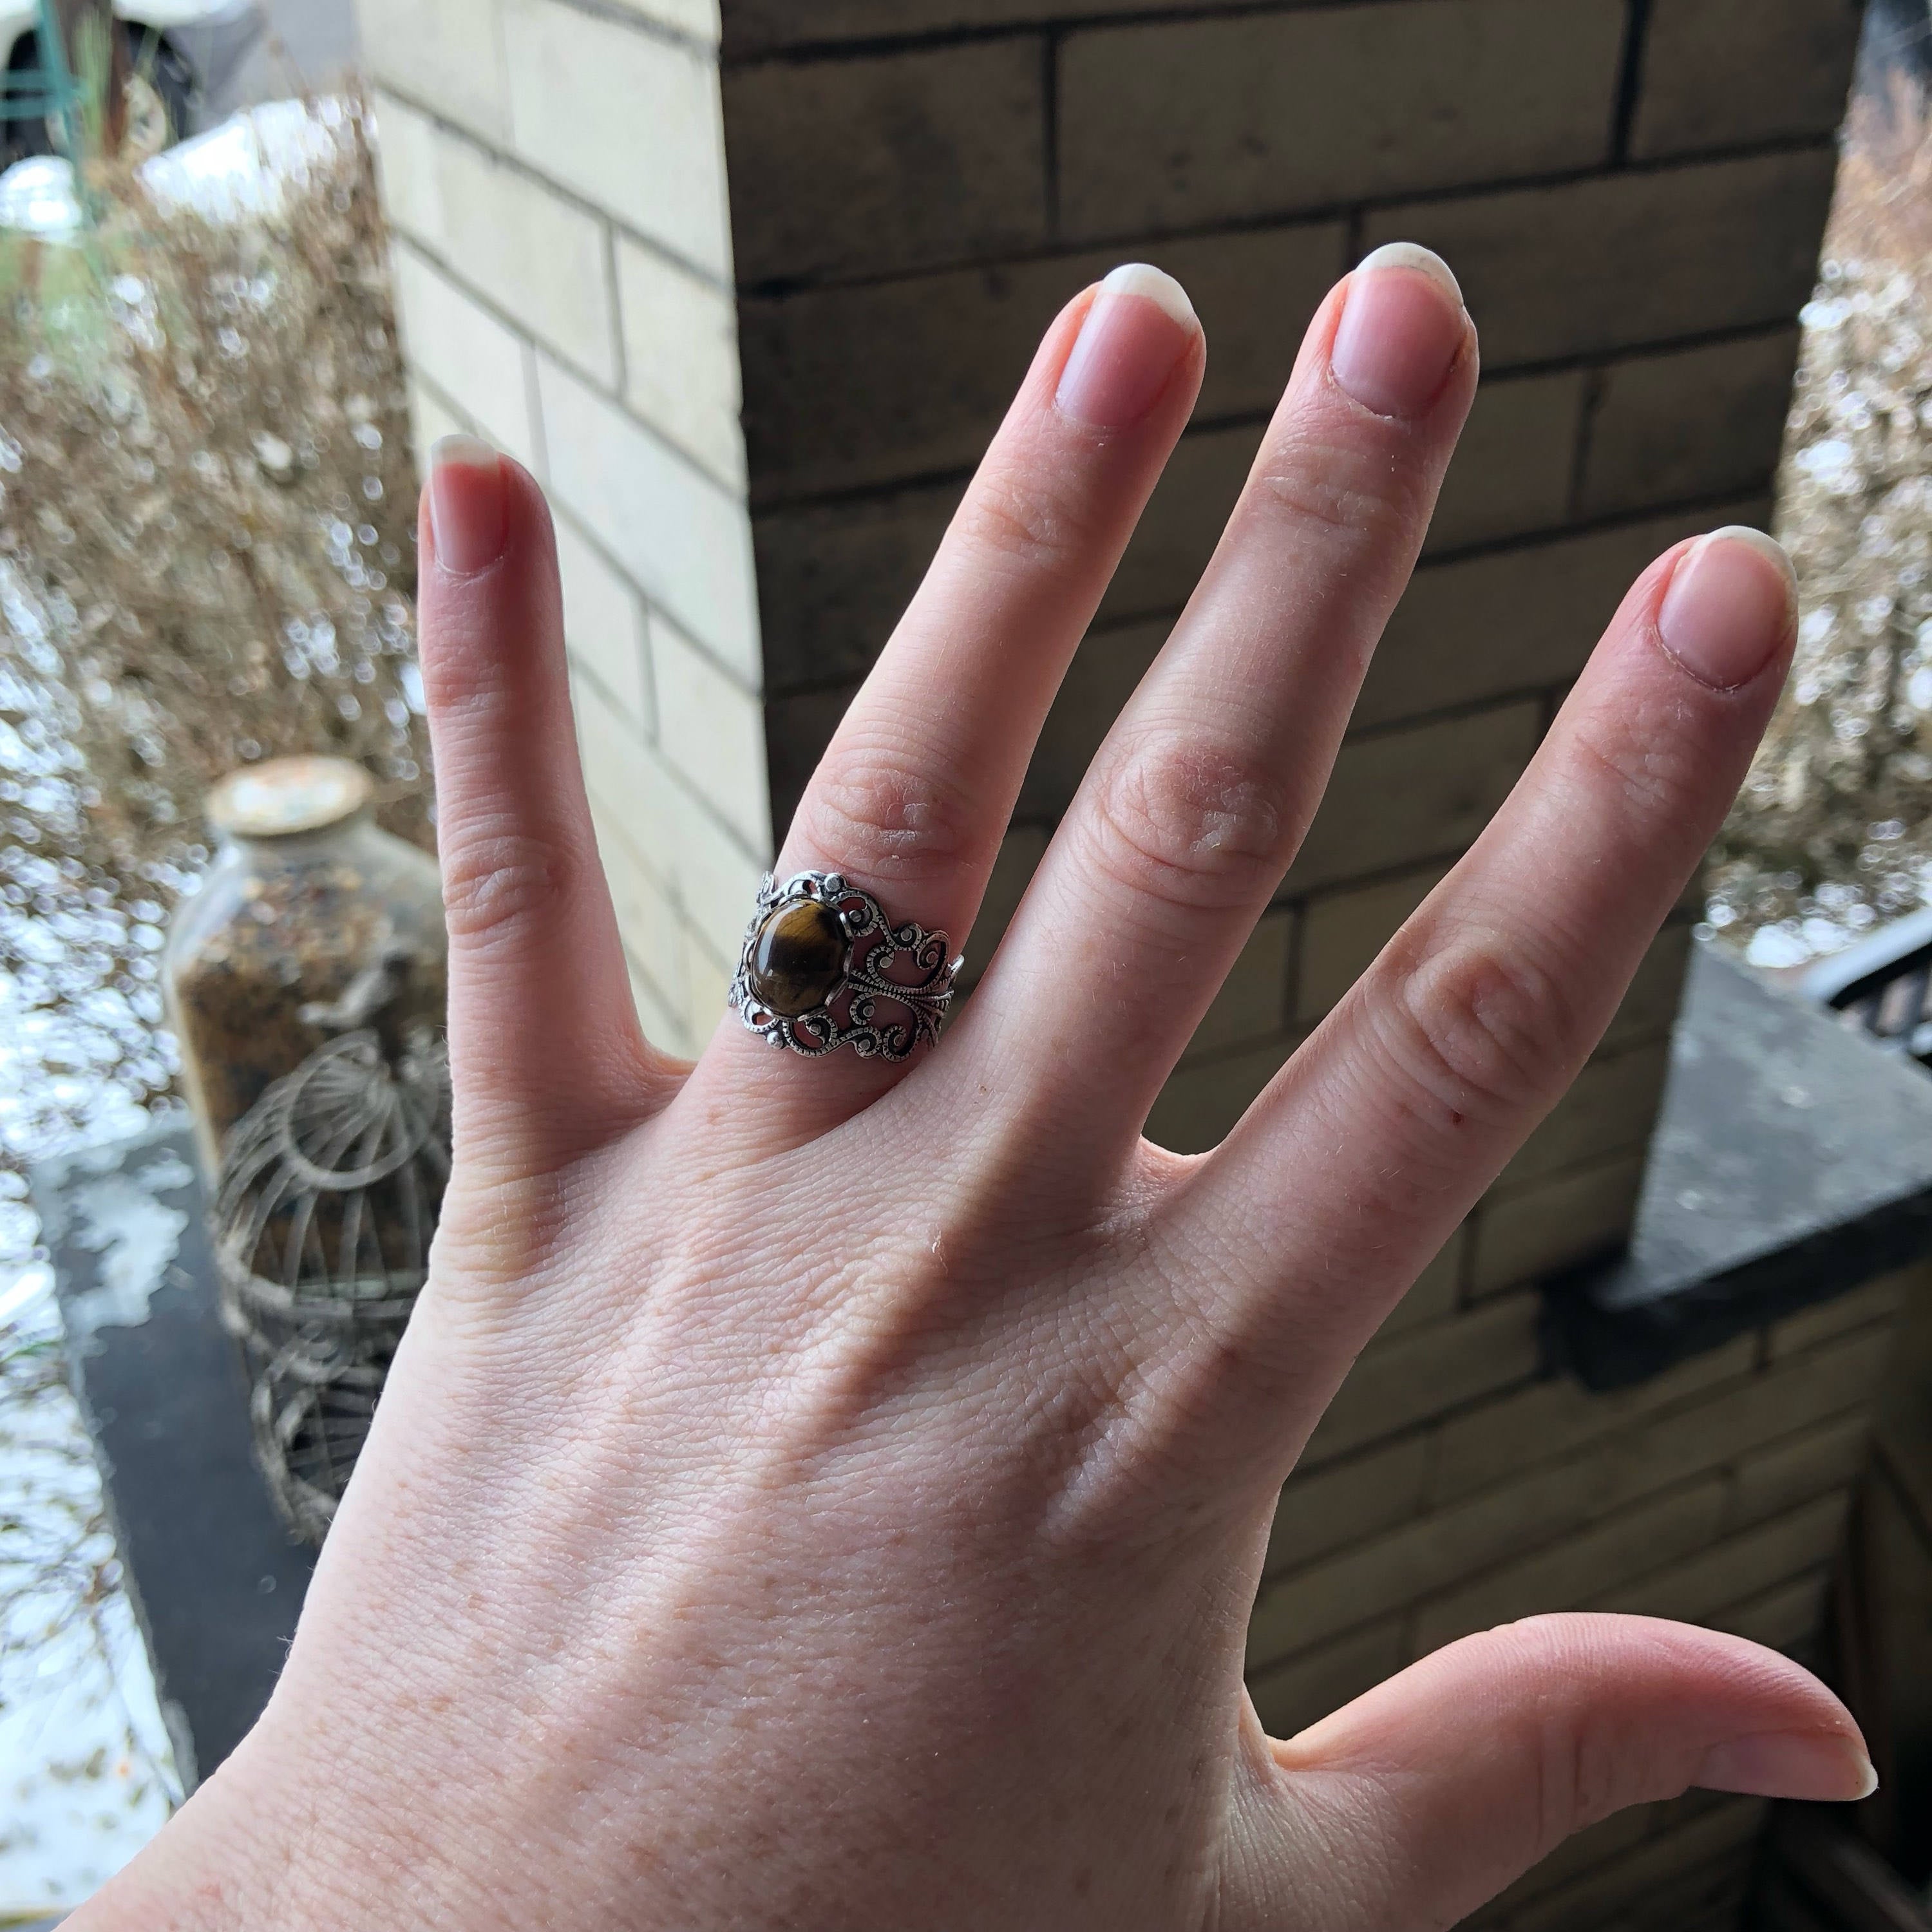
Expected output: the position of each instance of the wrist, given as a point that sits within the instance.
(248, 1854)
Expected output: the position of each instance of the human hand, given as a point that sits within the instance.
(828, 1493)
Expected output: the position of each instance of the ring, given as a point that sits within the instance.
(818, 948)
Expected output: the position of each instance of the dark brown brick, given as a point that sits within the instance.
(1343, 931)
(1629, 260)
(1521, 620)
(1486, 1445)
(1804, 1466)
(1682, 1868)
(846, 387)
(1514, 465)
(1873, 1302)
(1101, 679)
(756, 27)
(1176, 124)
(1522, 1234)
(833, 579)
(899, 161)
(1328, 1508)
(1597, 1845)
(1739, 1567)
(1182, 523)
(1609, 1109)
(1697, 422)
(1785, 1618)
(1251, 1005)
(1400, 1380)
(1020, 854)
(1650, 1004)
(1724, 73)
(1291, 1697)
(1435, 1291)
(1581, 1566)
(797, 730)
(1203, 1099)
(1400, 797)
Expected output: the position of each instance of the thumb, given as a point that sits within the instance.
(1422, 1800)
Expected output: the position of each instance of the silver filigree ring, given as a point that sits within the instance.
(822, 967)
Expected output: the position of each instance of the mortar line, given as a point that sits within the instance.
(872, 47)
(774, 287)
(1050, 133)
(1630, 81)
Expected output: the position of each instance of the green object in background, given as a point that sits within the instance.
(48, 91)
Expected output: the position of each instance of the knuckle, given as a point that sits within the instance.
(1187, 823)
(1014, 520)
(1341, 490)
(503, 1220)
(1578, 1763)
(1649, 770)
(1482, 1028)
(872, 811)
(500, 884)
(467, 685)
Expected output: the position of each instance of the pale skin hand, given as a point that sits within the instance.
(823, 1494)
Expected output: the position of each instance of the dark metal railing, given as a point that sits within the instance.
(1882, 985)
(47, 91)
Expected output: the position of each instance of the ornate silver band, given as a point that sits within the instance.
(822, 966)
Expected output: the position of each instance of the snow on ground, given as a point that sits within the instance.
(87, 1775)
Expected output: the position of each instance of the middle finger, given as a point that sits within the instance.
(1196, 802)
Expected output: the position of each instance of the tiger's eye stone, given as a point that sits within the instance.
(798, 958)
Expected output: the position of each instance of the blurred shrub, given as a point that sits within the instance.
(1833, 832)
(206, 558)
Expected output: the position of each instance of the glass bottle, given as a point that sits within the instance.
(306, 981)
(312, 920)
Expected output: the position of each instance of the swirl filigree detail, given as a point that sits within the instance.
(890, 989)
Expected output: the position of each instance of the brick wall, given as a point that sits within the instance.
(1453, 1487)
(555, 180)
(1632, 195)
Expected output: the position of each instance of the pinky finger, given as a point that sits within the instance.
(1412, 1095)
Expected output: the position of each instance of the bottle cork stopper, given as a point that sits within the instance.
(282, 797)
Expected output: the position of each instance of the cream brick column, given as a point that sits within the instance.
(555, 178)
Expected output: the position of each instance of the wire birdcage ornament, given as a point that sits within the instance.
(330, 1187)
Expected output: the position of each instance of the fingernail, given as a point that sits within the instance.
(1822, 1768)
(1139, 327)
(1402, 328)
(1729, 608)
(468, 504)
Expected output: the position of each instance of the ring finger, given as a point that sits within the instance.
(913, 796)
